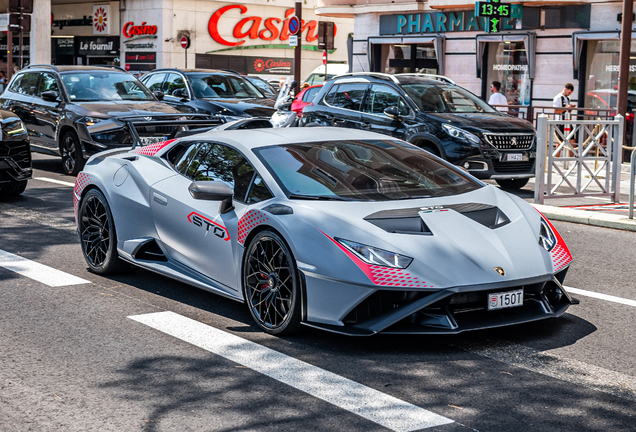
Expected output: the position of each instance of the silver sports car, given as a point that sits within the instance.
(337, 229)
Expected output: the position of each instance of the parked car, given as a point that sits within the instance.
(208, 91)
(77, 111)
(343, 230)
(15, 155)
(434, 114)
(304, 98)
(263, 86)
(317, 76)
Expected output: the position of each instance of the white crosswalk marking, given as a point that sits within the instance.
(36, 271)
(601, 296)
(366, 402)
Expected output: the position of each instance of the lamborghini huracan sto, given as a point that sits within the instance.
(338, 229)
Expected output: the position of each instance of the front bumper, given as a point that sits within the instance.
(449, 311)
(487, 168)
(15, 161)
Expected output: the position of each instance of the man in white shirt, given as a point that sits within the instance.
(562, 100)
(496, 98)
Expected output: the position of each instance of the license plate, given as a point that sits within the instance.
(152, 140)
(511, 157)
(505, 299)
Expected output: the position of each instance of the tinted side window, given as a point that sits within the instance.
(382, 97)
(309, 94)
(209, 161)
(47, 83)
(153, 82)
(16, 83)
(259, 191)
(28, 84)
(173, 83)
(348, 96)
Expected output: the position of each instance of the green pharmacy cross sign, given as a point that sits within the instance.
(494, 10)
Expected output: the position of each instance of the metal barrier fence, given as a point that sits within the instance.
(582, 157)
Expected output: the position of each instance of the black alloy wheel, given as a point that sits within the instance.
(512, 184)
(271, 284)
(72, 158)
(97, 234)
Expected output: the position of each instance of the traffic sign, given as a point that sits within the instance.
(293, 41)
(294, 25)
(185, 42)
(324, 57)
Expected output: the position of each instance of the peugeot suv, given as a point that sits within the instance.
(435, 114)
(77, 111)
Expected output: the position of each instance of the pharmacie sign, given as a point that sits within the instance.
(248, 27)
(441, 22)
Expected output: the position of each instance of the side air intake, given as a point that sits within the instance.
(150, 251)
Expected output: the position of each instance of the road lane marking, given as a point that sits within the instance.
(50, 180)
(366, 402)
(39, 272)
(601, 296)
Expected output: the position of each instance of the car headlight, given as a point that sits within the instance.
(90, 121)
(547, 239)
(375, 256)
(15, 128)
(461, 134)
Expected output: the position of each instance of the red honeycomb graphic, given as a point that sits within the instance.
(560, 257)
(249, 220)
(81, 182)
(384, 276)
(152, 149)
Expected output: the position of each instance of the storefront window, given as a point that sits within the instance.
(602, 79)
(508, 64)
(411, 58)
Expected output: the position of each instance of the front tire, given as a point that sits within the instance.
(512, 184)
(97, 234)
(72, 157)
(271, 285)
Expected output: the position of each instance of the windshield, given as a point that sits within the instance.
(206, 86)
(441, 98)
(369, 170)
(104, 86)
(263, 86)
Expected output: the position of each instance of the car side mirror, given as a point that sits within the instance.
(181, 93)
(159, 95)
(50, 96)
(392, 112)
(213, 191)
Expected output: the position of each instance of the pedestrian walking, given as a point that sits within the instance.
(496, 98)
(560, 103)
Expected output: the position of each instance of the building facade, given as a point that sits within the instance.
(540, 47)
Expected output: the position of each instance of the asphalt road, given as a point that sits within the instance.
(73, 359)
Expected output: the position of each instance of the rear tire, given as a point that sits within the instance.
(513, 184)
(13, 189)
(72, 157)
(97, 234)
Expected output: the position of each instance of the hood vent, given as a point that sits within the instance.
(408, 220)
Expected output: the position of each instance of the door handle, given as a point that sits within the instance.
(160, 199)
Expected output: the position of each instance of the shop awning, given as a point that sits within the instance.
(577, 45)
(529, 40)
(436, 39)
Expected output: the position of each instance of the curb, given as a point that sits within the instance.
(587, 218)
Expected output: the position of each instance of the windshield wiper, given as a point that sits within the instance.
(320, 197)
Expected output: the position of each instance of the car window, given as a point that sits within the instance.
(348, 96)
(205, 161)
(263, 86)
(444, 98)
(368, 170)
(258, 191)
(382, 97)
(214, 86)
(27, 85)
(104, 86)
(47, 83)
(154, 81)
(310, 93)
(173, 83)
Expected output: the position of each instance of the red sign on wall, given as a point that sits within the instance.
(255, 27)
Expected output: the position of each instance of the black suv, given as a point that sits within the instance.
(77, 111)
(434, 114)
(15, 155)
(210, 91)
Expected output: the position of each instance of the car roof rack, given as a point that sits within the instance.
(42, 66)
(379, 75)
(429, 76)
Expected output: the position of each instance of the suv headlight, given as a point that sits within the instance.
(461, 134)
(15, 128)
(90, 121)
(547, 239)
(375, 256)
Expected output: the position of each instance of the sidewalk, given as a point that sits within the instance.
(596, 211)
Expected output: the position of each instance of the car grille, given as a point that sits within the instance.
(142, 130)
(510, 141)
(513, 167)
(18, 151)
